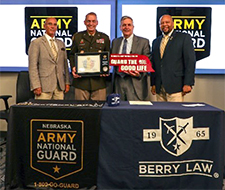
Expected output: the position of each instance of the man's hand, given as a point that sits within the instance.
(133, 73)
(186, 89)
(153, 91)
(38, 91)
(67, 88)
(74, 73)
(104, 75)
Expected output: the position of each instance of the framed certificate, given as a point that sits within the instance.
(92, 64)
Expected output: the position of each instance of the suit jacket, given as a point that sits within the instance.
(140, 46)
(177, 66)
(82, 43)
(44, 71)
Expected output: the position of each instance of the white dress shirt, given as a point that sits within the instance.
(129, 44)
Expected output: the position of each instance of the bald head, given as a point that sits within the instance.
(166, 24)
(50, 26)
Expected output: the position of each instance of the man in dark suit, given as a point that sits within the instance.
(90, 40)
(173, 59)
(48, 66)
(130, 85)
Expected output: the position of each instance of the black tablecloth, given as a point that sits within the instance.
(55, 145)
(163, 146)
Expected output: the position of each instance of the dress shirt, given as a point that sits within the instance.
(49, 42)
(129, 44)
(168, 34)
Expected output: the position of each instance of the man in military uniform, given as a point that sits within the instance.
(90, 40)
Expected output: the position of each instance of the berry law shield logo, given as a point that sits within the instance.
(176, 134)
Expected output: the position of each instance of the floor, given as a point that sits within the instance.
(2, 163)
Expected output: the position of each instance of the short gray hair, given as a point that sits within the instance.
(91, 13)
(125, 17)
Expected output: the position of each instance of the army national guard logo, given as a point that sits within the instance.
(56, 147)
(66, 23)
(176, 134)
(195, 21)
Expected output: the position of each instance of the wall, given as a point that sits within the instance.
(209, 89)
(7, 87)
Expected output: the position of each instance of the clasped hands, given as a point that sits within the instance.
(186, 89)
(38, 91)
(133, 73)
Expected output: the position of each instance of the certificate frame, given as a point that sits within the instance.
(92, 63)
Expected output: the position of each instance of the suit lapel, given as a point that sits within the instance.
(134, 44)
(158, 42)
(59, 48)
(118, 44)
(169, 42)
(47, 46)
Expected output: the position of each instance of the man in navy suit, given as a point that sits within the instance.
(174, 63)
(132, 85)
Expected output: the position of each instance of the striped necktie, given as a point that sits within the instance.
(163, 45)
(124, 50)
(54, 50)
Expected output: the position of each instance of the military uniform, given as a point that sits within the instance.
(82, 43)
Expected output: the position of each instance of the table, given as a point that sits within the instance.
(163, 146)
(53, 144)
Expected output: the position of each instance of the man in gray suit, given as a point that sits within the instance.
(130, 85)
(48, 66)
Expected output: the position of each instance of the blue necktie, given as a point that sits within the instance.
(124, 51)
